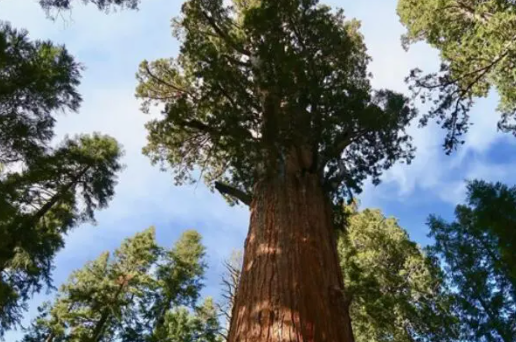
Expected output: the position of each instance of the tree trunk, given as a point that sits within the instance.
(7, 250)
(98, 331)
(291, 286)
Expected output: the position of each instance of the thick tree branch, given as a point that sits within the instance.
(228, 190)
(223, 35)
(168, 84)
(347, 139)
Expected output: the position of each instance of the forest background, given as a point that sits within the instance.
(112, 46)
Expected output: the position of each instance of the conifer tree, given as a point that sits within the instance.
(396, 292)
(271, 102)
(58, 191)
(91, 305)
(45, 190)
(478, 52)
(141, 292)
(37, 80)
(478, 251)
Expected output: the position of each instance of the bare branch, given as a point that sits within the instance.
(228, 190)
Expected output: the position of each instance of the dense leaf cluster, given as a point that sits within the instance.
(45, 190)
(476, 40)
(141, 292)
(479, 252)
(396, 292)
(264, 88)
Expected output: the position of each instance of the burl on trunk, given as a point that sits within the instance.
(291, 288)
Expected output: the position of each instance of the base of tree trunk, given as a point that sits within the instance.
(291, 287)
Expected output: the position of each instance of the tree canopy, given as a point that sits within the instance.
(261, 87)
(101, 4)
(395, 291)
(141, 292)
(41, 204)
(476, 42)
(478, 252)
(37, 80)
(46, 189)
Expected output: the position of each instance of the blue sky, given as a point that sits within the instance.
(111, 47)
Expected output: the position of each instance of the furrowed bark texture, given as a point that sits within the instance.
(291, 286)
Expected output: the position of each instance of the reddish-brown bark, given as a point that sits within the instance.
(291, 288)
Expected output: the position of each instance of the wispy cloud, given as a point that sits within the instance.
(111, 47)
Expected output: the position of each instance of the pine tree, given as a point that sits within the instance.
(141, 293)
(478, 251)
(57, 192)
(477, 47)
(91, 305)
(37, 80)
(178, 277)
(395, 291)
(271, 101)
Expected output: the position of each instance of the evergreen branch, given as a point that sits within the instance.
(221, 34)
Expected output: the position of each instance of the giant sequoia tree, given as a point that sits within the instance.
(271, 102)
(477, 43)
(479, 251)
(396, 292)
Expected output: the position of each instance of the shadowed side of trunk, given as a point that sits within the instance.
(291, 288)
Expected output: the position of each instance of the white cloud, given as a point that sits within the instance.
(111, 46)
(431, 171)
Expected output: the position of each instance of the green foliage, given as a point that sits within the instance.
(36, 79)
(478, 249)
(40, 204)
(182, 326)
(266, 87)
(179, 279)
(59, 5)
(140, 293)
(396, 292)
(44, 191)
(96, 297)
(476, 42)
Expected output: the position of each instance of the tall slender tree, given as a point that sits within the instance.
(140, 293)
(271, 102)
(56, 192)
(395, 291)
(93, 301)
(476, 40)
(179, 277)
(44, 191)
(479, 259)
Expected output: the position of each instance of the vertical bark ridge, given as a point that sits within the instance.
(291, 287)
